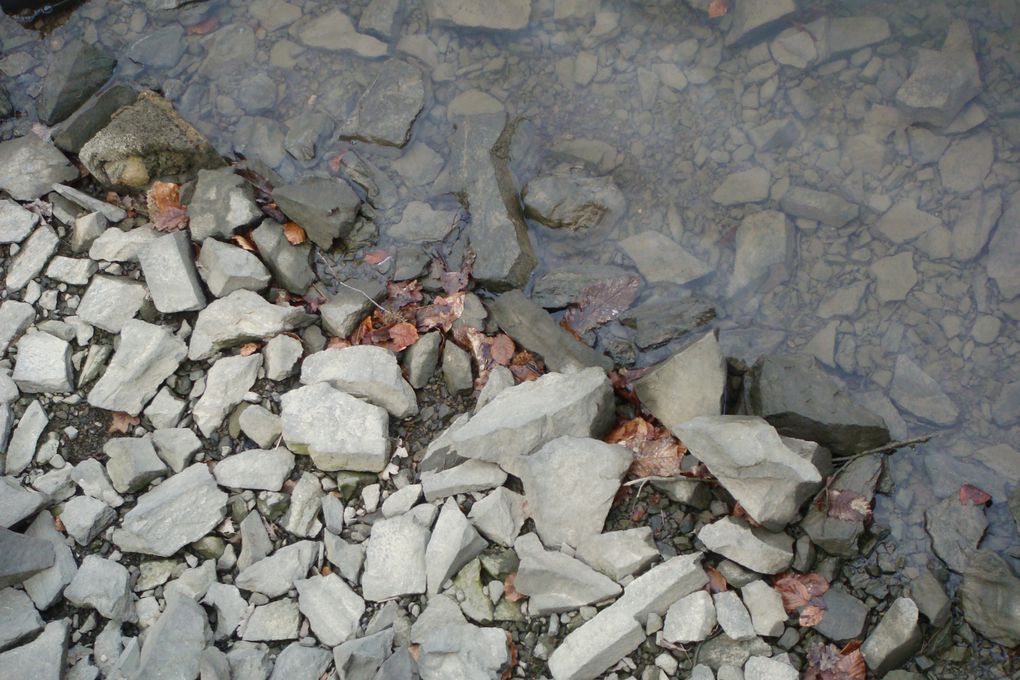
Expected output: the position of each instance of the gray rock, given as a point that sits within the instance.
(732, 616)
(917, 392)
(275, 575)
(242, 316)
(360, 659)
(570, 483)
(421, 223)
(765, 249)
(397, 503)
(895, 277)
(145, 141)
(115, 245)
(564, 285)
(325, 207)
(765, 606)
(388, 107)
(91, 117)
(227, 382)
(775, 134)
(757, 549)
(966, 163)
(15, 317)
(18, 503)
(364, 371)
(572, 201)
(508, 16)
(147, 355)
(297, 662)
(44, 658)
(338, 431)
(1004, 251)
(690, 619)
(132, 463)
(222, 202)
(16, 223)
(844, 617)
(91, 477)
(955, 529)
(688, 384)
(346, 308)
(281, 354)
(661, 259)
(255, 469)
(23, 443)
(457, 369)
(174, 644)
(763, 668)
(454, 543)
(348, 558)
(176, 446)
(930, 597)
(749, 459)
(111, 301)
(22, 557)
(943, 81)
(744, 186)
(895, 639)
(618, 554)
(76, 72)
(287, 262)
(255, 543)
(840, 536)
(170, 274)
(821, 206)
(395, 560)
(335, 31)
(250, 659)
(18, 618)
(905, 222)
(226, 268)
(29, 167)
(421, 358)
(105, 586)
(47, 586)
(555, 582)
(261, 425)
(471, 475)
(800, 400)
(72, 271)
(190, 498)
(752, 19)
(990, 598)
(161, 49)
(332, 608)
(464, 651)
(43, 365)
(302, 516)
(33, 256)
(84, 517)
(499, 516)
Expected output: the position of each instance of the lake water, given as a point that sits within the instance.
(648, 94)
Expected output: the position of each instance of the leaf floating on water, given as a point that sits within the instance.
(657, 453)
(971, 494)
(717, 8)
(848, 505)
(163, 201)
(122, 422)
(294, 233)
(601, 303)
(800, 590)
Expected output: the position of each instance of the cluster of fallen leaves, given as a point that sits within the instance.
(803, 592)
(843, 504)
(657, 453)
(163, 202)
(829, 662)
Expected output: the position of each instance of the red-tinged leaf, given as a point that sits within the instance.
(203, 27)
(163, 201)
(244, 242)
(454, 282)
(848, 505)
(851, 666)
(601, 303)
(294, 233)
(657, 453)
(122, 422)
(828, 662)
(171, 219)
(313, 301)
(717, 8)
(510, 593)
(823, 657)
(58, 524)
(502, 349)
(513, 655)
(403, 294)
(441, 313)
(376, 257)
(335, 163)
(799, 590)
(971, 494)
(811, 615)
(249, 348)
(402, 336)
(716, 581)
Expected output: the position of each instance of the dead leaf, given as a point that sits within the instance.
(163, 201)
(829, 662)
(326, 570)
(717, 8)
(122, 422)
(403, 294)
(525, 367)
(203, 27)
(338, 343)
(249, 348)
(811, 615)
(601, 303)
(716, 581)
(510, 593)
(294, 234)
(376, 257)
(511, 649)
(971, 494)
(800, 590)
(58, 524)
(657, 453)
(441, 313)
(244, 242)
(454, 282)
(848, 505)
(502, 349)
(402, 336)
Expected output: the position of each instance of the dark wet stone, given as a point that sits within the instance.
(753, 20)
(6, 108)
(844, 617)
(931, 599)
(507, 15)
(839, 536)
(990, 597)
(572, 201)
(532, 327)
(388, 108)
(563, 285)
(662, 320)
(289, 263)
(161, 49)
(956, 529)
(92, 116)
(77, 71)
(797, 397)
(325, 206)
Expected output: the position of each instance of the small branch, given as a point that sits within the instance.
(887, 448)
(336, 277)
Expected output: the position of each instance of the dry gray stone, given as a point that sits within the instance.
(844, 617)
(29, 167)
(110, 302)
(33, 256)
(176, 446)
(147, 355)
(896, 638)
(499, 516)
(44, 658)
(688, 384)
(72, 271)
(18, 618)
(226, 268)
(15, 317)
(261, 425)
(255, 469)
(222, 202)
(132, 463)
(116, 245)
(732, 616)
(43, 364)
(454, 543)
(169, 269)
(364, 371)
(23, 443)
(22, 556)
(333, 610)
(346, 308)
(16, 223)
(298, 662)
(471, 475)
(617, 554)
(765, 606)
(281, 354)
(302, 516)
(47, 586)
(181, 510)
(242, 316)
(463, 651)
(288, 262)
(105, 586)
(690, 619)
(275, 575)
(174, 644)
(91, 477)
(227, 382)
(395, 559)
(757, 549)
(18, 503)
(555, 582)
(84, 517)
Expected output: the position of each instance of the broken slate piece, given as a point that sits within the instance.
(617, 554)
(288, 262)
(84, 517)
(690, 619)
(895, 639)
(110, 302)
(47, 586)
(499, 516)
(30, 166)
(18, 618)
(346, 308)
(454, 543)
(173, 645)
(255, 469)
(22, 447)
(17, 502)
(325, 207)
(132, 463)
(228, 380)
(389, 106)
(226, 268)
(368, 372)
(22, 556)
(395, 560)
(733, 616)
(146, 356)
(275, 575)
(754, 548)
(333, 610)
(463, 651)
(169, 269)
(765, 606)
(240, 317)
(44, 658)
(176, 446)
(555, 582)
(103, 585)
(222, 202)
(16, 223)
(33, 256)
(688, 384)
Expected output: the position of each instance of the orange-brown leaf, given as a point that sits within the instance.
(294, 233)
(657, 453)
(716, 581)
(338, 343)
(798, 590)
(510, 593)
(249, 348)
(811, 615)
(326, 570)
(163, 201)
(441, 313)
(717, 8)
(58, 524)
(402, 336)
(971, 494)
(525, 367)
(502, 349)
(203, 27)
(376, 257)
(513, 654)
(122, 422)
(244, 242)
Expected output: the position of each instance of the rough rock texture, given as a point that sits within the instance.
(29, 167)
(895, 639)
(395, 560)
(757, 549)
(510, 15)
(222, 202)
(943, 80)
(687, 385)
(920, 394)
(363, 371)
(389, 106)
(955, 529)
(147, 355)
(173, 646)
(990, 598)
(170, 274)
(324, 206)
(555, 582)
(240, 317)
(572, 201)
(751, 19)
(839, 536)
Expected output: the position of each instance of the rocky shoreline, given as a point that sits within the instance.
(243, 442)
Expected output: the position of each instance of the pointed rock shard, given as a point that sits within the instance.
(275, 575)
(325, 207)
(453, 544)
(757, 549)
(366, 372)
(895, 639)
(44, 658)
(943, 81)
(146, 356)
(331, 607)
(464, 651)
(174, 644)
(750, 460)
(990, 597)
(556, 582)
(690, 619)
(240, 317)
(22, 556)
(920, 394)
(688, 384)
(619, 554)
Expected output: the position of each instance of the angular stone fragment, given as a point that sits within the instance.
(240, 317)
(395, 561)
(173, 645)
(751, 19)
(555, 582)
(840, 536)
(227, 382)
(302, 516)
(454, 543)
(15, 317)
(223, 201)
(765, 606)
(281, 353)
(84, 517)
(181, 510)
(29, 167)
(733, 616)
(346, 308)
(22, 556)
(132, 463)
(895, 639)
(115, 245)
(47, 586)
(16, 223)
(749, 459)
(18, 618)
(830, 209)
(324, 206)
(570, 484)
(337, 430)
(78, 69)
(990, 598)
(33, 256)
(255, 469)
(17, 502)
(955, 529)
(744, 186)
(72, 271)
(919, 393)
(332, 608)
(176, 446)
(111, 301)
(44, 658)
(226, 268)
(463, 651)
(389, 106)
(687, 385)
(287, 262)
(618, 554)
(105, 586)
(147, 355)
(573, 201)
(499, 516)
(943, 81)
(21, 450)
(690, 619)
(754, 548)
(509, 16)
(844, 617)
(764, 668)
(524, 417)
(364, 371)
(275, 575)
(91, 477)
(170, 274)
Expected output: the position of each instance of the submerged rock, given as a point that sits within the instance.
(943, 80)
(955, 529)
(990, 598)
(389, 106)
(895, 639)
(575, 202)
(509, 15)
(78, 69)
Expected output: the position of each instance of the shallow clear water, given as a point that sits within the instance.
(593, 86)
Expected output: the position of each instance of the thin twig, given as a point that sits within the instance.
(336, 277)
(887, 448)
